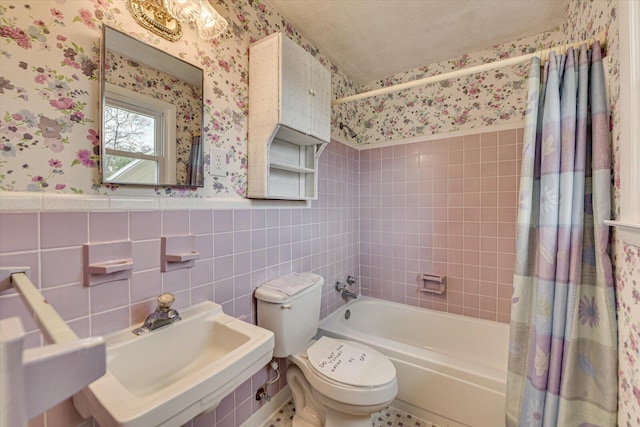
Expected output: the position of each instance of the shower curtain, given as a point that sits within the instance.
(195, 167)
(563, 349)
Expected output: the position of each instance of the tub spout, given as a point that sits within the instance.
(348, 294)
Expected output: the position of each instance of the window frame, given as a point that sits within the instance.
(165, 141)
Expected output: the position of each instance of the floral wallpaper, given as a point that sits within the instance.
(49, 91)
(628, 293)
(471, 102)
(130, 74)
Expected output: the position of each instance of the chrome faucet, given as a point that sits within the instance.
(348, 294)
(342, 288)
(163, 315)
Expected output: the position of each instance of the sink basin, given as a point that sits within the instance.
(169, 375)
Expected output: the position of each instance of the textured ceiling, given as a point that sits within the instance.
(373, 39)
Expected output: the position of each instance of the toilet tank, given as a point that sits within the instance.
(290, 307)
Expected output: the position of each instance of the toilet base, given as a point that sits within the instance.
(312, 409)
(340, 419)
(308, 411)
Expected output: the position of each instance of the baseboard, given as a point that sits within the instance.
(264, 414)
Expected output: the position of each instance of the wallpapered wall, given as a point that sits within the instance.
(49, 120)
(472, 102)
(50, 126)
(138, 77)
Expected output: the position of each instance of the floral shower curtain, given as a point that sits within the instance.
(563, 349)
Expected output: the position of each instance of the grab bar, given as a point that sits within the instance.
(48, 320)
(35, 379)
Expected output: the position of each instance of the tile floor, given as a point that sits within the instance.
(390, 417)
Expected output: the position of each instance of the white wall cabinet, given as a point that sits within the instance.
(289, 119)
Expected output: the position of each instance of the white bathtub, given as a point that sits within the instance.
(452, 370)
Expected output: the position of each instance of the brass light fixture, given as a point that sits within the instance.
(153, 16)
(163, 17)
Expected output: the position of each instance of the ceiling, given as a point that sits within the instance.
(373, 39)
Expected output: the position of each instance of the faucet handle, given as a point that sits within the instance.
(351, 280)
(165, 300)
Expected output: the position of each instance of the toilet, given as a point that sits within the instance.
(333, 382)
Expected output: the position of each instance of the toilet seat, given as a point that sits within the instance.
(350, 363)
(381, 387)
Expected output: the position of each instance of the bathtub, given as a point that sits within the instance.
(452, 370)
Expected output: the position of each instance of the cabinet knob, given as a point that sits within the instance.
(312, 92)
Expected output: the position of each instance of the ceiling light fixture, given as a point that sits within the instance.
(163, 17)
(209, 22)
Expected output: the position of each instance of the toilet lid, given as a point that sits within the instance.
(350, 363)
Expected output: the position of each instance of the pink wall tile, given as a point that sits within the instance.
(22, 259)
(145, 285)
(222, 221)
(61, 266)
(108, 296)
(201, 293)
(223, 290)
(509, 137)
(145, 224)
(19, 231)
(204, 245)
(222, 268)
(175, 223)
(108, 226)
(468, 221)
(201, 222)
(63, 414)
(69, 301)
(202, 273)
(12, 306)
(176, 281)
(241, 241)
(223, 244)
(258, 218)
(109, 321)
(63, 229)
(241, 220)
(146, 255)
(241, 263)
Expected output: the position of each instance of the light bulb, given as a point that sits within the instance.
(210, 23)
(183, 10)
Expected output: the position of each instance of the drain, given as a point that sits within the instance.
(347, 314)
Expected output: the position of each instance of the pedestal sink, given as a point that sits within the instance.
(169, 375)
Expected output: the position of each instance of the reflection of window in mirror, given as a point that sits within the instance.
(136, 131)
(152, 73)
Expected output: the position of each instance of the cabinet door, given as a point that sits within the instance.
(320, 101)
(294, 86)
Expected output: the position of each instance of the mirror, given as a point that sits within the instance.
(151, 115)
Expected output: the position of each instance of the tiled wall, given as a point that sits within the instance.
(240, 249)
(447, 207)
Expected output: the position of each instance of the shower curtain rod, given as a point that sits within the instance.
(543, 54)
